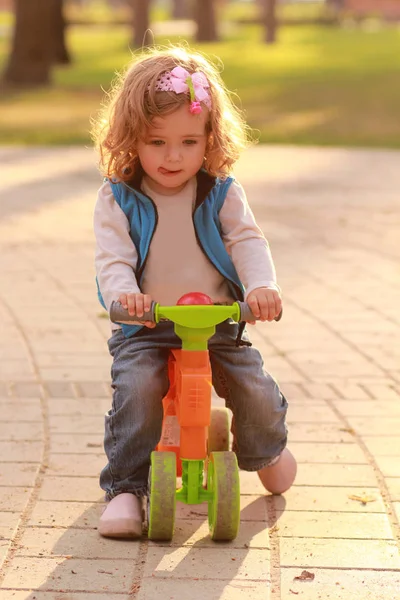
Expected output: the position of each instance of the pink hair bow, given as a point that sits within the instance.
(181, 82)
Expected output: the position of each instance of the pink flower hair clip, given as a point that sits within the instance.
(181, 82)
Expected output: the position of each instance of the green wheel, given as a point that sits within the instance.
(162, 489)
(224, 506)
(218, 431)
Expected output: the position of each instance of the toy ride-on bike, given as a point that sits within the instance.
(194, 438)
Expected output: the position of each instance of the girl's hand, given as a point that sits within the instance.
(265, 303)
(137, 304)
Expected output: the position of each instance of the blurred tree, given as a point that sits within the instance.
(141, 23)
(337, 5)
(31, 53)
(38, 42)
(61, 54)
(181, 9)
(206, 21)
(270, 21)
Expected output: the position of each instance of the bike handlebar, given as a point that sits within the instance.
(118, 314)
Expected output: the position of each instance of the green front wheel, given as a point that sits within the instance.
(162, 500)
(224, 506)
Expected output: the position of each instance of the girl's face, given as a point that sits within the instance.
(173, 149)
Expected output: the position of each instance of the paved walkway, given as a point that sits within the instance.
(332, 218)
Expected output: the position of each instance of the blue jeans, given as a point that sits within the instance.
(140, 381)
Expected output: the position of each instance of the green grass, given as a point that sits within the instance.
(97, 11)
(318, 85)
(245, 11)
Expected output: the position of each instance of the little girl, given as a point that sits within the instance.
(171, 219)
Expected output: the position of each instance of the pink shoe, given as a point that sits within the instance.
(122, 517)
(278, 477)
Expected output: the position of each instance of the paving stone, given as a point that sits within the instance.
(74, 465)
(8, 525)
(250, 484)
(376, 426)
(383, 392)
(21, 451)
(334, 525)
(334, 499)
(278, 366)
(18, 474)
(19, 412)
(75, 374)
(79, 406)
(73, 359)
(312, 413)
(224, 563)
(352, 391)
(62, 343)
(17, 369)
(210, 589)
(21, 431)
(301, 401)
(75, 543)
(65, 514)
(293, 391)
(81, 489)
(27, 389)
(60, 389)
(66, 575)
(95, 389)
(389, 465)
(341, 585)
(327, 453)
(320, 390)
(40, 595)
(355, 554)
(76, 424)
(318, 432)
(393, 484)
(4, 548)
(14, 498)
(332, 475)
(382, 445)
(369, 408)
(252, 534)
(252, 508)
(83, 443)
(327, 373)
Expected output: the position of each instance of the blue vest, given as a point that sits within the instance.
(141, 213)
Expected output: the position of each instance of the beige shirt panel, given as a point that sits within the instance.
(176, 264)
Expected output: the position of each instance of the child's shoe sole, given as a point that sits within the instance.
(122, 517)
(120, 528)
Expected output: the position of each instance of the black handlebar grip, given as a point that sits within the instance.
(246, 314)
(118, 314)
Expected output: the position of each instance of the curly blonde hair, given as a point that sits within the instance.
(134, 102)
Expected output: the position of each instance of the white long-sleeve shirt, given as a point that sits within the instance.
(176, 264)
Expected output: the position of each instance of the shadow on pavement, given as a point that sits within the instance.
(84, 562)
(31, 195)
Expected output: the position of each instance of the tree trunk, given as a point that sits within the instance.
(31, 54)
(335, 4)
(61, 54)
(141, 23)
(181, 9)
(206, 21)
(270, 21)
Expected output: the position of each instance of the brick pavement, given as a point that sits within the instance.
(332, 218)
